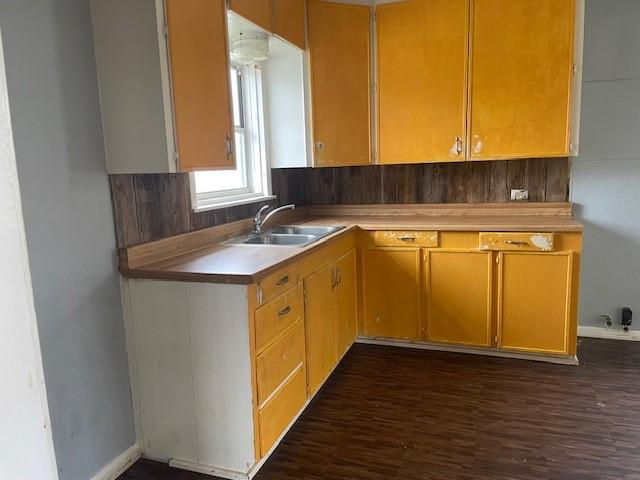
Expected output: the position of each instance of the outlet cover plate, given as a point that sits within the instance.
(519, 194)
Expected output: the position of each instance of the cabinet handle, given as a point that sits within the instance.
(284, 311)
(283, 281)
(407, 239)
(459, 145)
(516, 242)
(228, 144)
(338, 277)
(334, 278)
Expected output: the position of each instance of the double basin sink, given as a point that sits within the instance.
(286, 235)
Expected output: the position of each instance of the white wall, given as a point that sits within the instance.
(26, 444)
(53, 92)
(606, 175)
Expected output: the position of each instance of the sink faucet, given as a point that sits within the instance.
(258, 221)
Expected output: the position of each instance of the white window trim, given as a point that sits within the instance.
(256, 154)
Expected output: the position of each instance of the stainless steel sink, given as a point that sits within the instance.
(286, 235)
(279, 239)
(304, 230)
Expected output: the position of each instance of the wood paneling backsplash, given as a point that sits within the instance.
(153, 206)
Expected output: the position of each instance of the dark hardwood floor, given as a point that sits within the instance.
(391, 413)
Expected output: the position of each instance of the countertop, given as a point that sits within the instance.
(200, 257)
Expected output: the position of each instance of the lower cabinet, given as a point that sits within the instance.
(391, 290)
(535, 301)
(219, 371)
(330, 316)
(347, 319)
(458, 286)
(320, 320)
(281, 409)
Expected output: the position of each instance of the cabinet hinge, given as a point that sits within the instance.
(495, 339)
(165, 31)
(176, 158)
(259, 294)
(373, 14)
(374, 88)
(498, 259)
(571, 146)
(574, 68)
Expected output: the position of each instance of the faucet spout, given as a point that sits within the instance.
(259, 221)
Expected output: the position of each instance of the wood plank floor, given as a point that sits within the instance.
(391, 413)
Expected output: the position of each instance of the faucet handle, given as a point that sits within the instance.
(261, 212)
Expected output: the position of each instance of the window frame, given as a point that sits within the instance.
(255, 166)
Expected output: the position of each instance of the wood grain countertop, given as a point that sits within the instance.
(202, 256)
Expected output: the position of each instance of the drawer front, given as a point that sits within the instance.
(399, 238)
(276, 316)
(281, 410)
(517, 241)
(279, 360)
(278, 282)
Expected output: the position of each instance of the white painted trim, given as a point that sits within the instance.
(231, 201)
(609, 333)
(127, 313)
(26, 443)
(208, 470)
(559, 359)
(234, 475)
(120, 464)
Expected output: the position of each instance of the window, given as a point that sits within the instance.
(249, 181)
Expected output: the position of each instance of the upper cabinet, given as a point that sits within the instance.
(521, 78)
(339, 44)
(422, 50)
(477, 79)
(256, 11)
(199, 56)
(284, 18)
(164, 85)
(288, 20)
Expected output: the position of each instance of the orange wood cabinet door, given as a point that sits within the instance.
(256, 11)
(289, 21)
(201, 83)
(422, 80)
(339, 41)
(521, 75)
(347, 319)
(534, 301)
(391, 292)
(320, 325)
(458, 287)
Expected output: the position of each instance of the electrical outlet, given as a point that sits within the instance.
(519, 194)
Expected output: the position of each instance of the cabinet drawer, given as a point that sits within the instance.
(281, 409)
(278, 315)
(279, 360)
(273, 285)
(399, 238)
(517, 241)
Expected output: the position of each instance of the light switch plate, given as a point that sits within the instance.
(519, 194)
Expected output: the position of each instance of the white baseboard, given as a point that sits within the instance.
(609, 333)
(120, 464)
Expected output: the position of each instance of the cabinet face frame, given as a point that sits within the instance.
(569, 301)
(428, 254)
